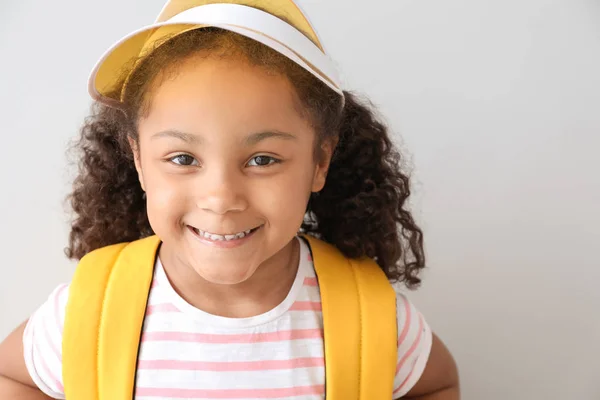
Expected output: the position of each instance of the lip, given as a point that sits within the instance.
(223, 244)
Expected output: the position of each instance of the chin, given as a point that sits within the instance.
(222, 276)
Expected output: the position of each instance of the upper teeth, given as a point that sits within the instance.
(213, 236)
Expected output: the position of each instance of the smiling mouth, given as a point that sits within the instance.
(226, 238)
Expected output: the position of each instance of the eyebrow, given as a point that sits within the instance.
(255, 138)
(186, 137)
(250, 140)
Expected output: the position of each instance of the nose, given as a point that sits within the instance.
(221, 192)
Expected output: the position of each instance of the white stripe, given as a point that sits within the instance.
(305, 348)
(207, 380)
(183, 322)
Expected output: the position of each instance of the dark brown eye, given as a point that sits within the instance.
(184, 160)
(262, 161)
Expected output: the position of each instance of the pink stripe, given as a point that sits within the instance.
(162, 308)
(154, 283)
(232, 393)
(412, 370)
(406, 325)
(264, 365)
(280, 336)
(57, 311)
(311, 282)
(306, 306)
(50, 341)
(57, 384)
(413, 347)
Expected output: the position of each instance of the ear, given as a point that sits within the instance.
(136, 159)
(323, 163)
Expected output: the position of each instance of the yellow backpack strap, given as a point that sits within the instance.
(359, 317)
(104, 317)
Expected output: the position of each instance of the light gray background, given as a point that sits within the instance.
(498, 105)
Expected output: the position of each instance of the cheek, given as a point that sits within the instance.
(284, 198)
(167, 199)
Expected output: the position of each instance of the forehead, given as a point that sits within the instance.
(210, 93)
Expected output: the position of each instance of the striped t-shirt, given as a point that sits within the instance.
(186, 353)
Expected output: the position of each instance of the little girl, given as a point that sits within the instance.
(222, 130)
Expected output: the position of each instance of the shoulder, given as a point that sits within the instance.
(50, 316)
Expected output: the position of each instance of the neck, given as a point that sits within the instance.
(263, 291)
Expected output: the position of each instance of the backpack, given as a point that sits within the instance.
(107, 303)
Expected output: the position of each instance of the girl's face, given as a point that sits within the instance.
(224, 151)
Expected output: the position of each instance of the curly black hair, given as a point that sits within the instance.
(361, 210)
